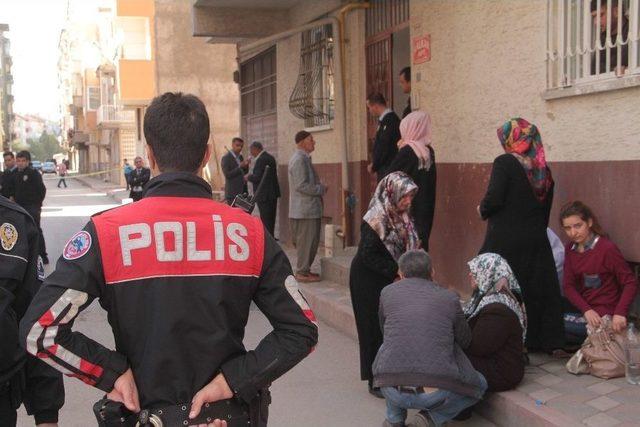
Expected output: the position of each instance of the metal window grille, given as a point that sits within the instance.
(385, 15)
(581, 49)
(313, 97)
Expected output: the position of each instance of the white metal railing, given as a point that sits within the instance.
(581, 50)
(115, 115)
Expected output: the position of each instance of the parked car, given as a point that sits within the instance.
(37, 165)
(48, 167)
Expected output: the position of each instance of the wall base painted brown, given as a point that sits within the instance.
(611, 188)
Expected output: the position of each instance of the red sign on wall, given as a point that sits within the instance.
(422, 49)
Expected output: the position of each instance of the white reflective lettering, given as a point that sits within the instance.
(218, 233)
(160, 228)
(240, 250)
(127, 244)
(193, 254)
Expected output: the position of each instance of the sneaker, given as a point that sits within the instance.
(423, 419)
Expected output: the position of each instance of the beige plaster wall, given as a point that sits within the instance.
(488, 64)
(189, 64)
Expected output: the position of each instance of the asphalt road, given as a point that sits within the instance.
(323, 390)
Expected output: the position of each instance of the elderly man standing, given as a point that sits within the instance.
(305, 206)
(421, 363)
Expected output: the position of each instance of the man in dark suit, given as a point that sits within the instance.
(268, 198)
(234, 168)
(138, 178)
(405, 83)
(387, 136)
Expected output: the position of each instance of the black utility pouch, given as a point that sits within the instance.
(112, 414)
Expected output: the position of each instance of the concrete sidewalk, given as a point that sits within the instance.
(548, 395)
(116, 192)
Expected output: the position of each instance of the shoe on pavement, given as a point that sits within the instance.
(423, 419)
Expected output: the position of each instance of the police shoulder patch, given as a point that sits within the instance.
(8, 236)
(40, 268)
(77, 246)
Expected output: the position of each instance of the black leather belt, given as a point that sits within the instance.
(113, 414)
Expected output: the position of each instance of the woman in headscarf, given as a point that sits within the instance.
(498, 322)
(386, 233)
(416, 158)
(517, 205)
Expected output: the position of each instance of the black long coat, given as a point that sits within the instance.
(271, 189)
(517, 230)
(372, 269)
(424, 202)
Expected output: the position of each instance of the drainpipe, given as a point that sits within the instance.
(338, 24)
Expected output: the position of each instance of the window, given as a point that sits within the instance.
(93, 98)
(135, 40)
(591, 40)
(313, 95)
(258, 84)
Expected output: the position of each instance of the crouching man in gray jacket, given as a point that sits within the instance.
(421, 363)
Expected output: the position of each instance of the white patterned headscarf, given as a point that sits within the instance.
(395, 228)
(496, 284)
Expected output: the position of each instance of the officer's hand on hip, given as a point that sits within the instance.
(125, 391)
(217, 389)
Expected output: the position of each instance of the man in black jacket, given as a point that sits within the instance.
(404, 78)
(387, 136)
(6, 179)
(234, 168)
(23, 379)
(138, 179)
(177, 273)
(268, 198)
(29, 192)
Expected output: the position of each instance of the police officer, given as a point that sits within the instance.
(22, 378)
(177, 273)
(29, 192)
(6, 179)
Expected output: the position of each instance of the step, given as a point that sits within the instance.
(332, 304)
(336, 269)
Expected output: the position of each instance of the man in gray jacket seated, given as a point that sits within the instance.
(421, 363)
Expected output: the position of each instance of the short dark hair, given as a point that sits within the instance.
(594, 4)
(176, 127)
(24, 154)
(8, 153)
(303, 134)
(237, 138)
(377, 98)
(406, 73)
(257, 145)
(415, 263)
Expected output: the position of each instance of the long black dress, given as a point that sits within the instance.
(424, 202)
(517, 230)
(372, 269)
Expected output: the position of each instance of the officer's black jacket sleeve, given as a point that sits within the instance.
(18, 283)
(294, 334)
(46, 327)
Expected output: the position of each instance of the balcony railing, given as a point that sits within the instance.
(113, 115)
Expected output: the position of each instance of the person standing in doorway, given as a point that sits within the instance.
(305, 206)
(138, 178)
(404, 78)
(267, 200)
(234, 168)
(29, 192)
(387, 136)
(127, 172)
(62, 172)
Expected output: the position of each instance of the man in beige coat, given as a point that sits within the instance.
(305, 206)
